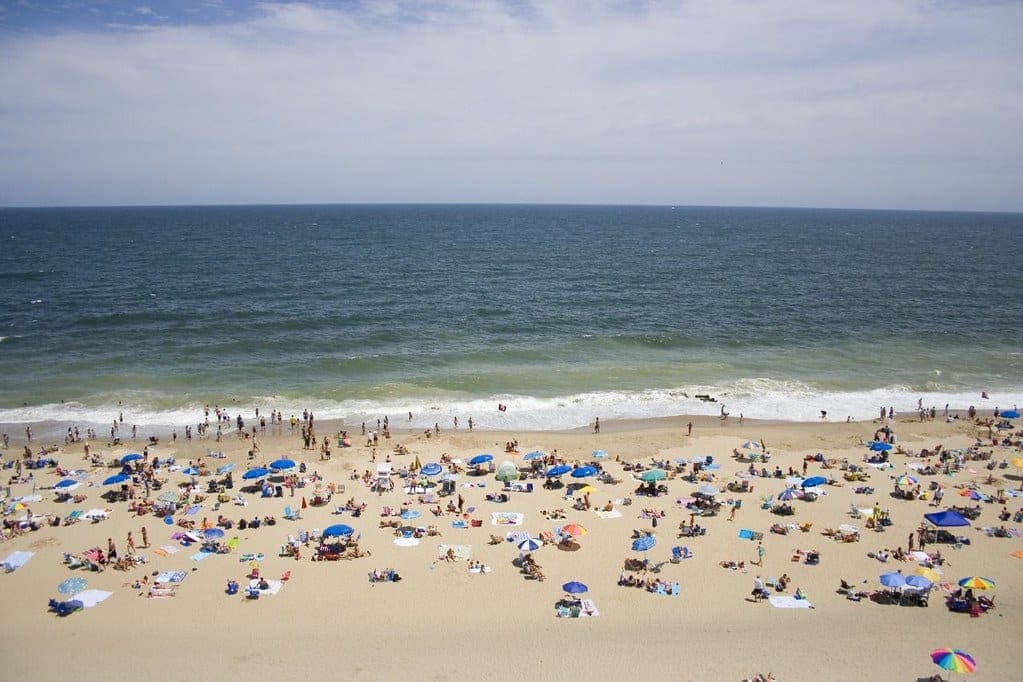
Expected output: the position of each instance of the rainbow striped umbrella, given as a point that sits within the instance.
(906, 479)
(977, 583)
(954, 660)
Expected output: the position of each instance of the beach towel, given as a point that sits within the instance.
(613, 514)
(781, 601)
(199, 556)
(1014, 493)
(193, 510)
(273, 587)
(97, 513)
(747, 534)
(160, 552)
(507, 519)
(16, 560)
(170, 549)
(406, 542)
(589, 609)
(90, 598)
(171, 576)
(461, 552)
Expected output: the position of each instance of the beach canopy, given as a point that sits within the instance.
(480, 459)
(338, 530)
(558, 470)
(130, 457)
(575, 587)
(893, 579)
(953, 660)
(432, 469)
(880, 446)
(282, 464)
(258, 472)
(644, 543)
(1009, 414)
(652, 475)
(947, 518)
(507, 472)
(814, 481)
(116, 478)
(584, 472)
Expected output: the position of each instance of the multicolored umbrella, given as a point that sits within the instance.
(953, 660)
(977, 583)
(751, 445)
(530, 545)
(574, 529)
(789, 494)
(906, 479)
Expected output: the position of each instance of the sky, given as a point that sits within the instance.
(877, 104)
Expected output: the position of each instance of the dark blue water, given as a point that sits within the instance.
(556, 311)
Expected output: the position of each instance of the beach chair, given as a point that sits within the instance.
(292, 515)
(854, 512)
(73, 517)
(767, 502)
(660, 589)
(675, 589)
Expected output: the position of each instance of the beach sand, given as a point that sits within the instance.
(443, 622)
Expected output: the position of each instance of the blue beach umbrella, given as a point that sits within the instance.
(116, 478)
(224, 469)
(652, 475)
(644, 543)
(558, 470)
(919, 582)
(878, 446)
(190, 471)
(575, 587)
(258, 472)
(432, 469)
(480, 459)
(66, 484)
(893, 580)
(789, 494)
(584, 472)
(282, 464)
(814, 481)
(1009, 414)
(213, 533)
(338, 530)
(130, 458)
(535, 454)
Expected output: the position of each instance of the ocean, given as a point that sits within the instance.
(560, 313)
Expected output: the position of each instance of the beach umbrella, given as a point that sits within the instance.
(1018, 463)
(928, 573)
(1010, 414)
(584, 472)
(953, 660)
(973, 494)
(130, 458)
(410, 514)
(575, 587)
(653, 475)
(558, 470)
(190, 471)
(906, 479)
(574, 529)
(893, 579)
(789, 494)
(213, 533)
(258, 472)
(507, 472)
(814, 481)
(116, 478)
(644, 543)
(708, 490)
(72, 585)
(66, 484)
(432, 469)
(977, 583)
(879, 446)
(338, 530)
(599, 454)
(751, 445)
(224, 469)
(919, 582)
(535, 454)
(480, 459)
(282, 464)
(530, 545)
(586, 489)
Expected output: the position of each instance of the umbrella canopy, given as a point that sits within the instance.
(535, 454)
(653, 475)
(584, 472)
(559, 470)
(789, 494)
(432, 469)
(879, 446)
(1009, 414)
(893, 579)
(906, 479)
(574, 529)
(599, 454)
(751, 445)
(190, 471)
(586, 489)
(530, 545)
(282, 464)
(66, 484)
(72, 585)
(338, 530)
(213, 533)
(258, 472)
(973, 494)
(1017, 462)
(928, 573)
(953, 660)
(644, 543)
(814, 481)
(575, 587)
(480, 459)
(116, 478)
(130, 458)
(977, 583)
(224, 469)
(708, 490)
(919, 582)
(410, 514)
(947, 518)
(507, 472)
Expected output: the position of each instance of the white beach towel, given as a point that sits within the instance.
(787, 602)
(274, 586)
(16, 560)
(613, 514)
(406, 542)
(171, 549)
(461, 552)
(90, 598)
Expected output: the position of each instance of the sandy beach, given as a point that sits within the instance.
(442, 621)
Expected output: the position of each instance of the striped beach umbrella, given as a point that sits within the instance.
(977, 582)
(953, 660)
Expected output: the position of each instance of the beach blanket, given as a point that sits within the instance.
(586, 609)
(199, 556)
(97, 513)
(613, 514)
(171, 576)
(273, 587)
(507, 519)
(170, 549)
(781, 601)
(747, 534)
(461, 552)
(16, 560)
(90, 598)
(406, 542)
(193, 510)
(1014, 493)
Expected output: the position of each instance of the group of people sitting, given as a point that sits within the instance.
(531, 569)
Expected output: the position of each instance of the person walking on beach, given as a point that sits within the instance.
(596, 425)
(761, 553)
(911, 538)
(145, 538)
(131, 543)
(731, 515)
(689, 426)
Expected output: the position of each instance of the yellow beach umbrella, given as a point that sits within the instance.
(930, 574)
(587, 489)
(1018, 463)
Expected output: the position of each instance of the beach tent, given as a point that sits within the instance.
(507, 472)
(947, 518)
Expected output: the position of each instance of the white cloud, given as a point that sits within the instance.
(785, 103)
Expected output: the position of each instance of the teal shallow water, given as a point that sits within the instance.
(562, 313)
